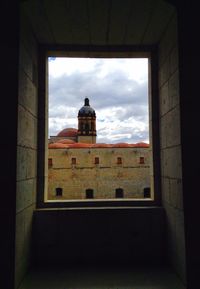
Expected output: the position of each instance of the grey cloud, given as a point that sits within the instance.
(127, 96)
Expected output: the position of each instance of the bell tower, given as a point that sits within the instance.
(87, 123)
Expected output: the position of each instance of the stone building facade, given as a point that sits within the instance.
(98, 171)
(80, 168)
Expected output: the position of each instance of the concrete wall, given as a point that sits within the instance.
(171, 167)
(104, 178)
(26, 149)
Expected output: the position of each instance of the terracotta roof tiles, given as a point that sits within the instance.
(67, 144)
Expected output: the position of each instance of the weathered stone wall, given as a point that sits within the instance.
(26, 149)
(104, 178)
(171, 172)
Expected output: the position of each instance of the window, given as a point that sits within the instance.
(119, 160)
(50, 162)
(112, 159)
(87, 128)
(141, 161)
(96, 160)
(73, 161)
(119, 193)
(59, 192)
(89, 194)
(147, 193)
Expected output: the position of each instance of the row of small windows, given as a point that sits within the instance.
(119, 193)
(96, 161)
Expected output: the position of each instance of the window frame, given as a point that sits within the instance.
(44, 52)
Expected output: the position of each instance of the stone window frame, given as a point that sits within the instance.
(149, 52)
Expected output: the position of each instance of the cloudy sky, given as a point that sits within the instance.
(117, 90)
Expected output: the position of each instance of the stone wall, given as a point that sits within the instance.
(26, 149)
(103, 177)
(171, 172)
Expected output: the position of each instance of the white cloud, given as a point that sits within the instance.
(117, 89)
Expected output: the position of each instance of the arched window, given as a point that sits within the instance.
(89, 193)
(59, 192)
(119, 193)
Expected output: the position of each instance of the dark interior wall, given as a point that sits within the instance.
(170, 145)
(26, 148)
(9, 49)
(189, 47)
(99, 237)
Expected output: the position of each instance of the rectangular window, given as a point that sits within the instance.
(73, 161)
(119, 193)
(66, 140)
(141, 160)
(147, 192)
(58, 192)
(50, 163)
(96, 160)
(89, 194)
(119, 160)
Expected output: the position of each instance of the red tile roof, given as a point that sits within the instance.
(61, 145)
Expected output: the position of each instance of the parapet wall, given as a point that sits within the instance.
(99, 236)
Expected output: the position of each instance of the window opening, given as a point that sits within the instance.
(147, 192)
(107, 125)
(141, 160)
(119, 193)
(73, 161)
(119, 160)
(96, 160)
(50, 163)
(89, 194)
(59, 192)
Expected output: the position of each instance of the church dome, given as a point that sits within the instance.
(68, 132)
(65, 141)
(86, 110)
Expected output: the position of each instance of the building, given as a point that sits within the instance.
(80, 168)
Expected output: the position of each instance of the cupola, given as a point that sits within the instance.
(86, 123)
